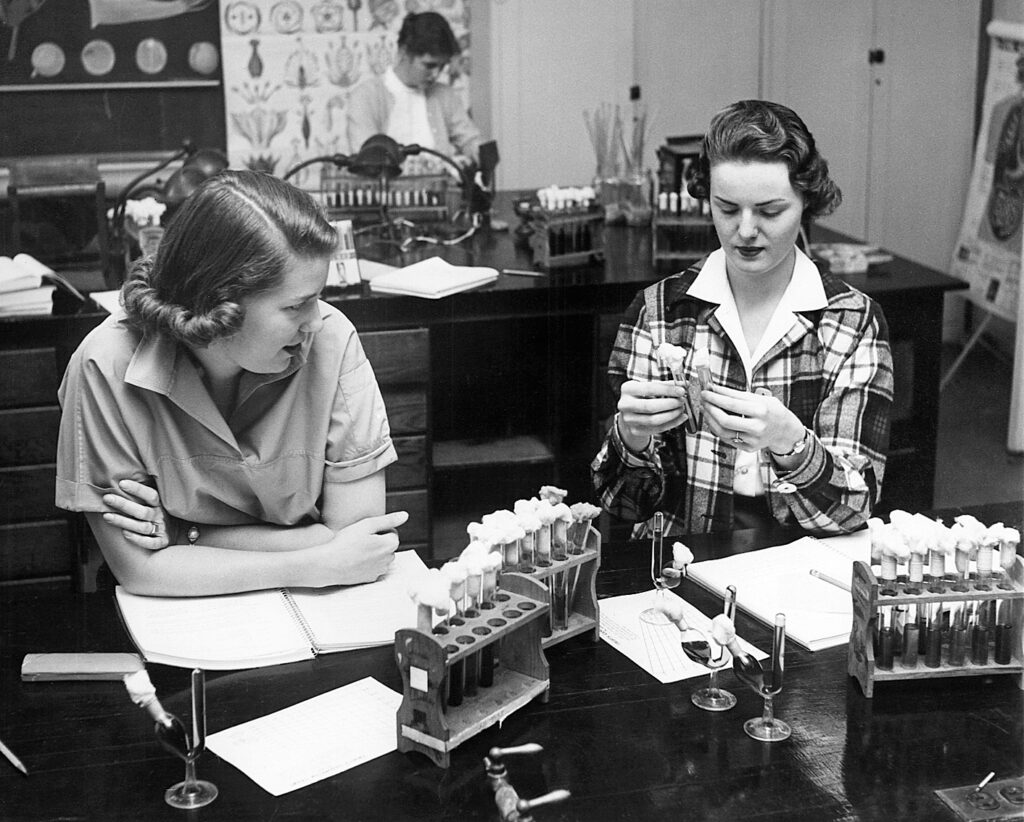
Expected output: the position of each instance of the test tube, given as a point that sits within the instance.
(911, 641)
(958, 637)
(915, 570)
(543, 545)
(983, 580)
(933, 643)
(979, 636)
(456, 574)
(1004, 634)
(886, 640)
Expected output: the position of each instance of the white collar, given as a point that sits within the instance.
(804, 292)
(394, 84)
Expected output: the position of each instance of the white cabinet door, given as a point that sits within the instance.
(897, 133)
(693, 58)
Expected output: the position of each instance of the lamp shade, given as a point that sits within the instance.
(203, 164)
(379, 156)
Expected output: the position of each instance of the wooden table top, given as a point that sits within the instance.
(627, 746)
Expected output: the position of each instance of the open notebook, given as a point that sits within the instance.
(269, 627)
(819, 614)
(432, 278)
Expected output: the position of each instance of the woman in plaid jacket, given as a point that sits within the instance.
(795, 425)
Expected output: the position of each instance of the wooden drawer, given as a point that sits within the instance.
(34, 550)
(28, 377)
(417, 530)
(28, 493)
(398, 357)
(28, 436)
(407, 409)
(411, 469)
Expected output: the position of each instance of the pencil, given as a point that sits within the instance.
(520, 272)
(831, 580)
(17, 763)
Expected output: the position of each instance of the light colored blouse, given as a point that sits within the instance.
(135, 407)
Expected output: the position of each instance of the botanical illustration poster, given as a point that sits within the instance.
(989, 249)
(290, 65)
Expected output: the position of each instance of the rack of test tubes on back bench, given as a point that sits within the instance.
(485, 661)
(419, 198)
(681, 225)
(940, 626)
(567, 227)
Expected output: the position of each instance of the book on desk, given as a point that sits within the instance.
(432, 278)
(819, 613)
(260, 628)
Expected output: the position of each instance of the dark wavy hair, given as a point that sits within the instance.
(428, 33)
(231, 239)
(759, 130)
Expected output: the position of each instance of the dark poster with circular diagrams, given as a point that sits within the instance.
(77, 44)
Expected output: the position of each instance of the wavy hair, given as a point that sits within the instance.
(762, 131)
(233, 238)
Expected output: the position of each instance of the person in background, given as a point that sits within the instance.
(408, 104)
(225, 432)
(795, 427)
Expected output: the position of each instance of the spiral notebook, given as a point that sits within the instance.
(819, 614)
(260, 628)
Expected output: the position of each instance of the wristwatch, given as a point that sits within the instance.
(798, 447)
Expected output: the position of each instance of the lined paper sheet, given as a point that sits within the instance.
(315, 739)
(656, 648)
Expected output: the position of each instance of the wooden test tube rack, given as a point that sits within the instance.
(425, 723)
(583, 610)
(867, 600)
(569, 237)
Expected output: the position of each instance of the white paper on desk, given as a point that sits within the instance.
(109, 300)
(368, 269)
(315, 739)
(655, 648)
(778, 580)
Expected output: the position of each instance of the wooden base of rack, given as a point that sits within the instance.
(861, 661)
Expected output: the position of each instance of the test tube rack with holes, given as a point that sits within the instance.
(513, 626)
(581, 601)
(869, 603)
(566, 237)
(419, 198)
(680, 229)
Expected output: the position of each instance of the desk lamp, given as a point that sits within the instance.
(199, 165)
(381, 158)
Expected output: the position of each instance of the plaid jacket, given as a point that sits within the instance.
(833, 369)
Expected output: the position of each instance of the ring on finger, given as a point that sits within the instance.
(153, 529)
(737, 440)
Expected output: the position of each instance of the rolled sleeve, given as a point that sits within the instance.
(95, 445)
(359, 438)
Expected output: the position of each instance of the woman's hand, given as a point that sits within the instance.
(360, 552)
(139, 515)
(750, 421)
(648, 408)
